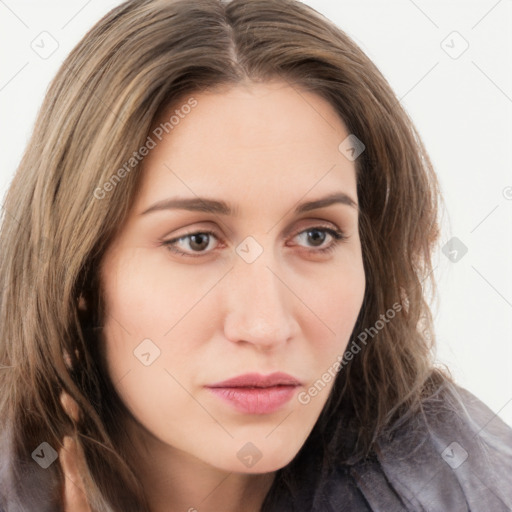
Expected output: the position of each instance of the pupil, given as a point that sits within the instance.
(320, 239)
(198, 245)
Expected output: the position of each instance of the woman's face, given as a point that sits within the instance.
(251, 290)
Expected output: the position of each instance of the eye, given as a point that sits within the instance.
(318, 235)
(197, 242)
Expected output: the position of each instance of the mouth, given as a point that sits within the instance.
(253, 393)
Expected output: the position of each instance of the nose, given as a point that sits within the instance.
(259, 306)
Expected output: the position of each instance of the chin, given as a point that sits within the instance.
(271, 466)
(266, 464)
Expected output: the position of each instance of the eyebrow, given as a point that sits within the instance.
(203, 204)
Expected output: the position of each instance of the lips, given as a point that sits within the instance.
(253, 393)
(258, 381)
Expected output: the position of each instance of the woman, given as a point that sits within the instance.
(213, 261)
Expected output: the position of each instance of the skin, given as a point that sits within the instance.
(262, 148)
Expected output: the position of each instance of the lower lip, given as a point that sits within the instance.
(256, 400)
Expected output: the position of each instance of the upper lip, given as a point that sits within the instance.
(258, 381)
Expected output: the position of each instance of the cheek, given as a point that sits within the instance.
(332, 306)
(153, 307)
(337, 303)
(143, 335)
(334, 295)
(148, 296)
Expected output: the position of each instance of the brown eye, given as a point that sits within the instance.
(316, 236)
(196, 242)
(199, 241)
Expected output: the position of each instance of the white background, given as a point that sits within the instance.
(461, 106)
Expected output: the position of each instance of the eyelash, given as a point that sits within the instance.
(338, 236)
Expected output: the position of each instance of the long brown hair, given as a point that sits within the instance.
(142, 57)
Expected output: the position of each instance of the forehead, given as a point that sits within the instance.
(263, 141)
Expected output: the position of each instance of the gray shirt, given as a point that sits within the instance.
(455, 457)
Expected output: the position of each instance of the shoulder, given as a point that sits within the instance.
(456, 455)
